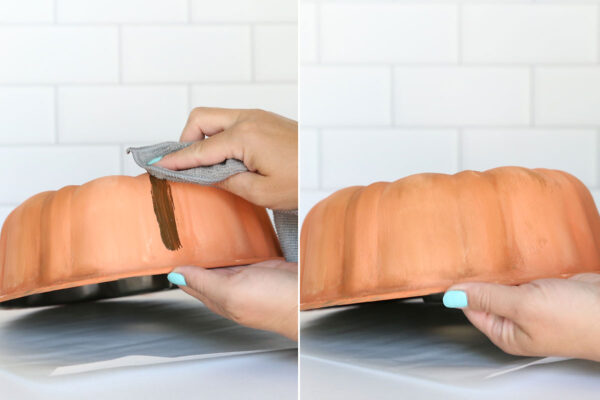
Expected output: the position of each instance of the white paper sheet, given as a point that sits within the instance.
(155, 339)
(419, 348)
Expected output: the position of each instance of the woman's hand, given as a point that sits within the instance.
(547, 317)
(265, 142)
(261, 296)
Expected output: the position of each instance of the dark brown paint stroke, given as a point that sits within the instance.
(162, 200)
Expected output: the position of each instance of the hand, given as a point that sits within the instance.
(546, 317)
(262, 296)
(265, 142)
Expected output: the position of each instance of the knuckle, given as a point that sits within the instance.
(510, 348)
(248, 128)
(196, 147)
(196, 112)
(483, 298)
(516, 348)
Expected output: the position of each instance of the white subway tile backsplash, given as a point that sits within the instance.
(28, 170)
(19, 11)
(278, 98)
(344, 96)
(309, 158)
(114, 114)
(596, 196)
(4, 212)
(308, 200)
(442, 96)
(363, 156)
(307, 32)
(122, 11)
(186, 53)
(26, 115)
(244, 10)
(276, 52)
(81, 80)
(567, 96)
(571, 150)
(58, 54)
(389, 32)
(515, 33)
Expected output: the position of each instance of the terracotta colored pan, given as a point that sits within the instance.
(119, 227)
(425, 232)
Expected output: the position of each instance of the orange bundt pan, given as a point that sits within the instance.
(107, 230)
(423, 233)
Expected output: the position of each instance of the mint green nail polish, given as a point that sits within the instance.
(455, 299)
(176, 279)
(154, 160)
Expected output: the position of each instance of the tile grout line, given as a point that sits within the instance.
(598, 33)
(318, 32)
(459, 150)
(392, 98)
(319, 159)
(252, 55)
(143, 24)
(56, 123)
(121, 159)
(120, 52)
(459, 34)
(55, 11)
(147, 84)
(532, 96)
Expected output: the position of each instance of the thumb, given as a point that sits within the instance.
(493, 309)
(209, 285)
(204, 152)
(487, 297)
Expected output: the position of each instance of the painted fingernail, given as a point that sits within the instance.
(176, 279)
(455, 299)
(154, 160)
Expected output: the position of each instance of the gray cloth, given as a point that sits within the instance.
(286, 221)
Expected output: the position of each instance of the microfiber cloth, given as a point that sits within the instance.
(286, 221)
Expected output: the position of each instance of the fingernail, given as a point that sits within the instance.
(455, 299)
(176, 279)
(154, 160)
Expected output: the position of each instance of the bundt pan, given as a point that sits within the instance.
(423, 233)
(118, 235)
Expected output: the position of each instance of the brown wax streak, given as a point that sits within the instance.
(162, 200)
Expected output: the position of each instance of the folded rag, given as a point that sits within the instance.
(286, 221)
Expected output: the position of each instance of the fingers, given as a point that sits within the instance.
(491, 298)
(501, 331)
(204, 121)
(496, 310)
(204, 152)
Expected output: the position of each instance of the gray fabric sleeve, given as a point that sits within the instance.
(286, 221)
